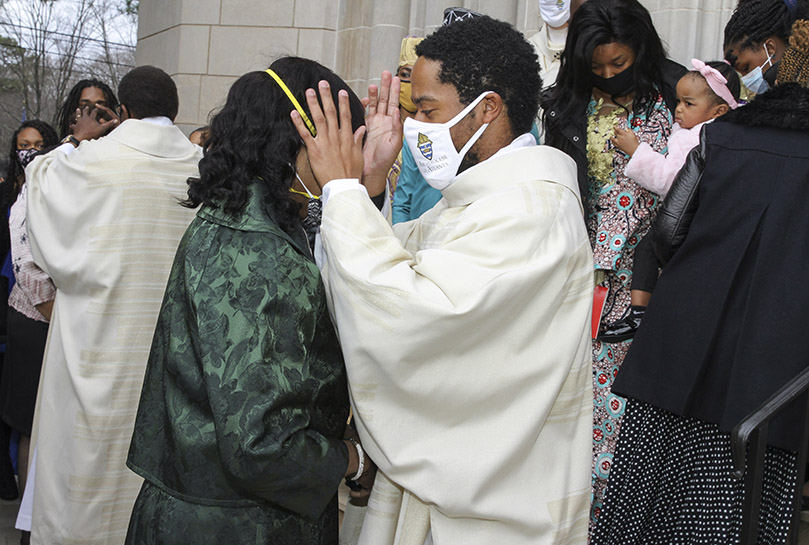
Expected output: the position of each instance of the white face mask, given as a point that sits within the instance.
(754, 80)
(432, 147)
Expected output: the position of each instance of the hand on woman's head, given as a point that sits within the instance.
(335, 152)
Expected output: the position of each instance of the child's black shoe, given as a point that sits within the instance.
(625, 328)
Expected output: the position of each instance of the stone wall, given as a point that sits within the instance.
(206, 44)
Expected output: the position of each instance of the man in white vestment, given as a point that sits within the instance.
(105, 221)
(465, 332)
(549, 41)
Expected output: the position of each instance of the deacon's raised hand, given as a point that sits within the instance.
(93, 122)
(336, 151)
(384, 137)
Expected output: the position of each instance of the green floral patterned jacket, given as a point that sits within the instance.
(244, 401)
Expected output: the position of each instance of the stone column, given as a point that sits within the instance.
(206, 44)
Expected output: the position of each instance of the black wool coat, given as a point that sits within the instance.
(728, 323)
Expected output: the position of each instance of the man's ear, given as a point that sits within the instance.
(125, 113)
(492, 107)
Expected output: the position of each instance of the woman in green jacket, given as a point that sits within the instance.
(240, 429)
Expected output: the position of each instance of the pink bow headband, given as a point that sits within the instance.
(716, 82)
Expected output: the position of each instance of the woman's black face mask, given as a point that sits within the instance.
(619, 85)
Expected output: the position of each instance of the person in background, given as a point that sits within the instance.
(8, 483)
(756, 37)
(200, 135)
(549, 41)
(30, 302)
(703, 94)
(407, 56)
(414, 196)
(454, 15)
(721, 335)
(104, 223)
(614, 75)
(87, 93)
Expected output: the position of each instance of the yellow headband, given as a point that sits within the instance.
(294, 101)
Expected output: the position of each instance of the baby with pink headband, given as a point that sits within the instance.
(703, 94)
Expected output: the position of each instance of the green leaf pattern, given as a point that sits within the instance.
(244, 400)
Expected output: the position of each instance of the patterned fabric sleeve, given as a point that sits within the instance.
(620, 211)
(254, 306)
(34, 285)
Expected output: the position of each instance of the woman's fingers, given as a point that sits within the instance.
(336, 151)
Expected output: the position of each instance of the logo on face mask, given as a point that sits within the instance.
(426, 146)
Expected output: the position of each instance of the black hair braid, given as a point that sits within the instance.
(67, 110)
(753, 21)
(794, 65)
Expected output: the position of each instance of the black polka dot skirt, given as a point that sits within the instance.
(671, 483)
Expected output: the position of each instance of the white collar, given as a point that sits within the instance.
(162, 121)
(526, 140)
(523, 141)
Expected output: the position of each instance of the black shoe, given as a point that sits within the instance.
(625, 328)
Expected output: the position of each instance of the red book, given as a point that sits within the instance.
(599, 297)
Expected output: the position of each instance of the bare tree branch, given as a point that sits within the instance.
(51, 44)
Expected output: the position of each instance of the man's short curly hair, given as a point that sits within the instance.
(484, 54)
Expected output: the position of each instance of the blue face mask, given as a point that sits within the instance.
(754, 80)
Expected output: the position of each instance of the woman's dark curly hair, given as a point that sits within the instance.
(15, 174)
(68, 109)
(483, 54)
(601, 22)
(252, 138)
(753, 21)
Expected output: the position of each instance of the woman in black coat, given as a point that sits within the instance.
(724, 329)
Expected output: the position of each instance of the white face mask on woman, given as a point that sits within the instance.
(432, 147)
(754, 80)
